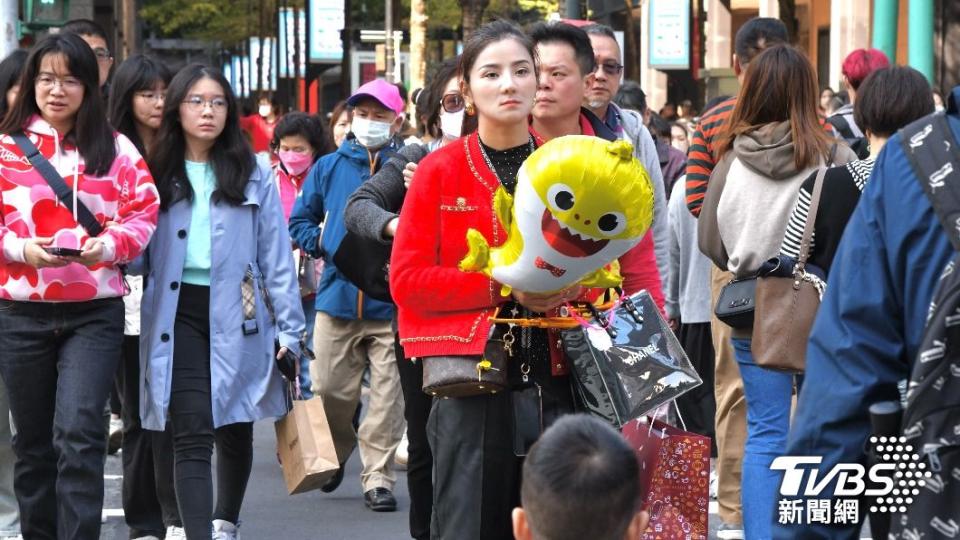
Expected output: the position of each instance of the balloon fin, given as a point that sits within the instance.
(503, 206)
(478, 253)
(601, 279)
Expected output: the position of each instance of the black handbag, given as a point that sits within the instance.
(736, 303)
(366, 263)
(629, 363)
(469, 375)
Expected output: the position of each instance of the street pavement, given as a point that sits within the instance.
(270, 514)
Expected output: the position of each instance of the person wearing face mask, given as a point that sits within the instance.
(298, 141)
(372, 212)
(352, 330)
(260, 126)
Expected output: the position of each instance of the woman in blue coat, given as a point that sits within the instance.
(219, 260)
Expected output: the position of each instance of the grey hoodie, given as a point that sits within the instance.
(760, 189)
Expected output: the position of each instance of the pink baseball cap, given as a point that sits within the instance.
(387, 94)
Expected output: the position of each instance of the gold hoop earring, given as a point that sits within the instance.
(470, 110)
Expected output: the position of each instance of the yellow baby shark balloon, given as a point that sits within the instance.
(580, 203)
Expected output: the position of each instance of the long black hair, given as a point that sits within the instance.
(231, 157)
(92, 135)
(136, 74)
(10, 70)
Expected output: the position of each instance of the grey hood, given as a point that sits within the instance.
(768, 151)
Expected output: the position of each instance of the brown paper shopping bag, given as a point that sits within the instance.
(305, 446)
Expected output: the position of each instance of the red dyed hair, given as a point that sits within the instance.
(862, 62)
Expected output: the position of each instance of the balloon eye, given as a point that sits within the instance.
(561, 197)
(612, 223)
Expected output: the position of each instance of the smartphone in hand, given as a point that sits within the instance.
(63, 252)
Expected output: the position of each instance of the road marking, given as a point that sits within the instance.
(112, 512)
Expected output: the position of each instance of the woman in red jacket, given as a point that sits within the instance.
(443, 311)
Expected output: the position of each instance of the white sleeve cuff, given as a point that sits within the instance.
(13, 248)
(109, 248)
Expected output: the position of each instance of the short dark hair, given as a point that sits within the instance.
(488, 34)
(305, 125)
(92, 135)
(135, 74)
(631, 96)
(231, 158)
(659, 127)
(597, 29)
(85, 27)
(756, 35)
(580, 480)
(890, 98)
(10, 70)
(567, 34)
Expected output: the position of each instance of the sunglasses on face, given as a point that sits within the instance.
(611, 68)
(452, 103)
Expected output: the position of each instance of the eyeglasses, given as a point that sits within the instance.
(197, 104)
(48, 82)
(611, 68)
(452, 103)
(152, 97)
(102, 54)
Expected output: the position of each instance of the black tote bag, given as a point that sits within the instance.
(632, 366)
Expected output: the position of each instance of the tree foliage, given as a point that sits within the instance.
(226, 22)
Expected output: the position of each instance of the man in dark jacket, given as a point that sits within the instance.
(353, 330)
(869, 326)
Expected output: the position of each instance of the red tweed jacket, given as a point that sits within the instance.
(441, 310)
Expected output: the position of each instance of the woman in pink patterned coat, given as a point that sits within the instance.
(61, 281)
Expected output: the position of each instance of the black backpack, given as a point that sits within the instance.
(931, 419)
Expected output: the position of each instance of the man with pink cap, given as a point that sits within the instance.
(353, 330)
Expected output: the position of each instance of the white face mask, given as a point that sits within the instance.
(451, 124)
(370, 133)
(265, 110)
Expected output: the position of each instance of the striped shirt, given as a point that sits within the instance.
(836, 204)
(701, 158)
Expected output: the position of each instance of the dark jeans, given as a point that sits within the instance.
(149, 501)
(191, 422)
(476, 473)
(58, 362)
(416, 410)
(698, 407)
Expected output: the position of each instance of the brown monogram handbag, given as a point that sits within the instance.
(470, 375)
(787, 303)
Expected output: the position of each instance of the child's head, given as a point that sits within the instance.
(298, 141)
(580, 480)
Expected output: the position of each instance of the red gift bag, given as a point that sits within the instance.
(675, 475)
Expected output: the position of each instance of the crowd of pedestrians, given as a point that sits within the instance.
(162, 252)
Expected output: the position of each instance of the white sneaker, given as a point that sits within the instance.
(176, 533)
(116, 435)
(402, 452)
(728, 531)
(224, 530)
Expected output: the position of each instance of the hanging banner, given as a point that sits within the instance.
(292, 39)
(669, 34)
(326, 22)
(263, 61)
